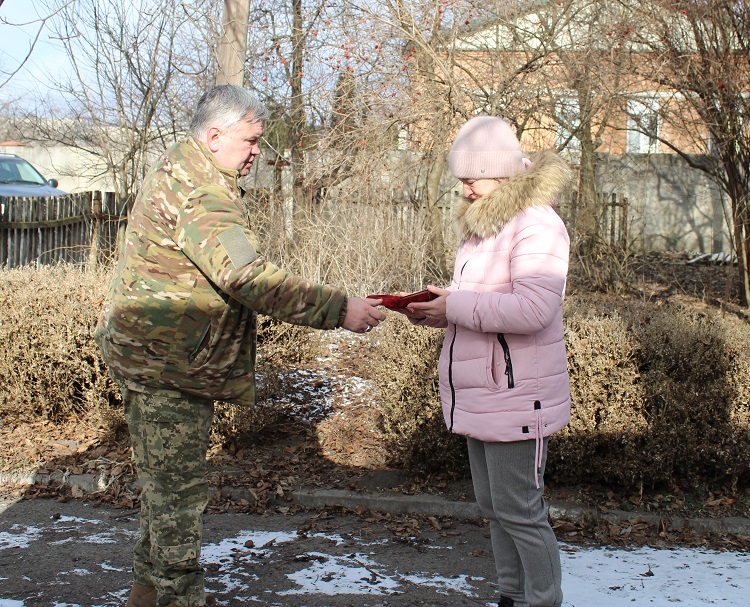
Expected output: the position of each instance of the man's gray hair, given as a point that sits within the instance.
(223, 107)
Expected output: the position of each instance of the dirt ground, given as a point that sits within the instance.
(320, 559)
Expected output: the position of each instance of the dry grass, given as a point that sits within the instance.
(50, 367)
(365, 248)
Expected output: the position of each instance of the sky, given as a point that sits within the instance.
(19, 24)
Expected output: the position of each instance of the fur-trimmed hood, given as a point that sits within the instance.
(541, 184)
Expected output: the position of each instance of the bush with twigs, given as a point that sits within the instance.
(660, 392)
(660, 398)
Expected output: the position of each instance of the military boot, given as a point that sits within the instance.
(210, 601)
(145, 596)
(142, 596)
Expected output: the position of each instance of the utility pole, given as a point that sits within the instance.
(233, 42)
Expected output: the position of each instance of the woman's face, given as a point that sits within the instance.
(476, 188)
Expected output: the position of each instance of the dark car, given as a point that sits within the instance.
(19, 178)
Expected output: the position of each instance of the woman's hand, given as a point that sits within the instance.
(406, 311)
(433, 310)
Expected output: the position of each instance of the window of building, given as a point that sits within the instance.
(643, 127)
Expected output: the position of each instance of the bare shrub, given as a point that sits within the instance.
(405, 370)
(607, 417)
(660, 397)
(279, 344)
(600, 267)
(50, 367)
(661, 392)
(694, 368)
(237, 421)
(364, 248)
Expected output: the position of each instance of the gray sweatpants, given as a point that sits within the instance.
(527, 557)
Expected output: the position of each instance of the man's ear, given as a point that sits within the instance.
(213, 138)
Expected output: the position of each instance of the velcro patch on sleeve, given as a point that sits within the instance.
(237, 246)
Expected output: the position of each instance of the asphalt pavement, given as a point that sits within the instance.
(370, 553)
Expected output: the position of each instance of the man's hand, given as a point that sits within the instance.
(362, 314)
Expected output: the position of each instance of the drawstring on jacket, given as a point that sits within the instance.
(539, 442)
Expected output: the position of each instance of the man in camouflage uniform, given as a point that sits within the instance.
(178, 330)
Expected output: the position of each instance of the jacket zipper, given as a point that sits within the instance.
(450, 358)
(450, 379)
(508, 361)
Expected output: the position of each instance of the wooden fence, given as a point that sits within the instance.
(75, 228)
(86, 227)
(615, 221)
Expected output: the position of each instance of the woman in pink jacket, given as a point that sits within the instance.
(503, 367)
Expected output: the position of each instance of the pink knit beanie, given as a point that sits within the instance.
(486, 147)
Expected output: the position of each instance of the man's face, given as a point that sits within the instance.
(237, 147)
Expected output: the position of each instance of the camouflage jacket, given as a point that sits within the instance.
(181, 310)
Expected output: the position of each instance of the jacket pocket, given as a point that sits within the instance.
(508, 363)
(202, 348)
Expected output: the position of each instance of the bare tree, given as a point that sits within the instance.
(7, 74)
(283, 46)
(582, 86)
(449, 66)
(323, 73)
(232, 46)
(423, 30)
(403, 71)
(135, 70)
(697, 54)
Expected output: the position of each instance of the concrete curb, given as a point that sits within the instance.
(88, 483)
(427, 505)
(431, 505)
(396, 503)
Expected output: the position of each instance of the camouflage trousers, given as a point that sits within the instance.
(169, 437)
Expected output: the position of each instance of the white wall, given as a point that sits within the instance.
(672, 206)
(75, 170)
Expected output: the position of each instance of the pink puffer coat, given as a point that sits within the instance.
(503, 366)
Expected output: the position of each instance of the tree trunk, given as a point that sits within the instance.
(741, 220)
(233, 43)
(436, 243)
(588, 206)
(298, 120)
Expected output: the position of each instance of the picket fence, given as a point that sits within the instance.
(74, 228)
